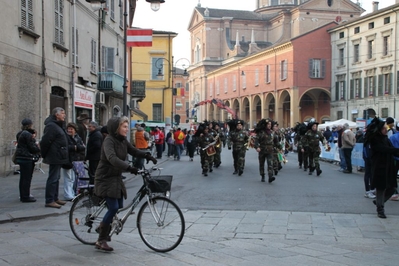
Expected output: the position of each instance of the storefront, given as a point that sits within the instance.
(83, 101)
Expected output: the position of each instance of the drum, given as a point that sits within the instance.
(211, 150)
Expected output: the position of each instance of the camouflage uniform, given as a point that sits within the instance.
(266, 141)
(298, 143)
(206, 160)
(277, 148)
(238, 139)
(217, 159)
(311, 144)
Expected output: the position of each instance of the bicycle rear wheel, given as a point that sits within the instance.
(163, 229)
(85, 217)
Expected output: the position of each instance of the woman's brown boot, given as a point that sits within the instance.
(102, 238)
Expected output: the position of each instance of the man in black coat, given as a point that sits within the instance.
(54, 148)
(93, 150)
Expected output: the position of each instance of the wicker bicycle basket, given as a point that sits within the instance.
(160, 184)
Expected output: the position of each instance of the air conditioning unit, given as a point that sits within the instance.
(100, 97)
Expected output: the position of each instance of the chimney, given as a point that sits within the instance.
(375, 6)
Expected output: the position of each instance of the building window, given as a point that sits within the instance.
(356, 53)
(211, 90)
(341, 35)
(59, 22)
(340, 115)
(27, 14)
(217, 87)
(386, 84)
(93, 58)
(341, 57)
(371, 25)
(234, 83)
(75, 38)
(283, 69)
(107, 59)
(386, 45)
(384, 112)
(340, 88)
(257, 77)
(225, 85)
(244, 81)
(197, 53)
(121, 15)
(267, 74)
(369, 86)
(112, 9)
(357, 30)
(387, 20)
(317, 68)
(157, 112)
(355, 88)
(370, 49)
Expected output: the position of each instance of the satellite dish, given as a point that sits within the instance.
(338, 19)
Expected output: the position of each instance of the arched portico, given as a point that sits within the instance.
(315, 102)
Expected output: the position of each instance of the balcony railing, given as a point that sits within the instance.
(110, 82)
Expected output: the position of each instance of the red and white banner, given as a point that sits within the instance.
(139, 38)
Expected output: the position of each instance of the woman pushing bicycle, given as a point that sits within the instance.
(108, 182)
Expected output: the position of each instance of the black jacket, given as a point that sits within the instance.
(94, 144)
(76, 148)
(54, 143)
(27, 148)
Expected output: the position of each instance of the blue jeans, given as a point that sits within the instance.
(113, 206)
(179, 148)
(53, 183)
(342, 162)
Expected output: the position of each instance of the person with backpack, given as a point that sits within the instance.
(179, 143)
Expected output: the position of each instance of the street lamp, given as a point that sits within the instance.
(173, 72)
(155, 6)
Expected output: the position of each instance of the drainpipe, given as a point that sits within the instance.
(72, 87)
(43, 79)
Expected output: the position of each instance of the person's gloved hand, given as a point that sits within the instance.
(150, 158)
(133, 170)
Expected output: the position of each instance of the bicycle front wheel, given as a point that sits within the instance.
(161, 225)
(85, 217)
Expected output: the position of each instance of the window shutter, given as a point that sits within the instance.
(352, 89)
(344, 90)
(374, 85)
(285, 69)
(93, 56)
(103, 56)
(360, 88)
(389, 85)
(311, 68)
(380, 85)
(337, 91)
(110, 59)
(366, 86)
(323, 68)
(397, 82)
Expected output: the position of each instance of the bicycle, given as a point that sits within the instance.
(160, 222)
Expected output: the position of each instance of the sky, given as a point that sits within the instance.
(174, 16)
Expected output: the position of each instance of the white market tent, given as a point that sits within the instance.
(336, 123)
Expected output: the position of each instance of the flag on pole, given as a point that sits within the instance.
(139, 38)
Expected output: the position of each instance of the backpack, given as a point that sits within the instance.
(181, 136)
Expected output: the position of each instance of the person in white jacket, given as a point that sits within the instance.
(348, 142)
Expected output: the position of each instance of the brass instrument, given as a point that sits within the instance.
(218, 141)
(327, 146)
(250, 143)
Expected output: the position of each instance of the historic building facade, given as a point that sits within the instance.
(365, 71)
(258, 63)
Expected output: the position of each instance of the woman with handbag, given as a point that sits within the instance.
(27, 153)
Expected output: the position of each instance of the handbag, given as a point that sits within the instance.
(14, 157)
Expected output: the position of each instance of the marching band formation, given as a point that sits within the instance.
(267, 139)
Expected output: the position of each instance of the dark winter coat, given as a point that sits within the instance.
(383, 163)
(54, 143)
(94, 144)
(76, 148)
(108, 178)
(27, 149)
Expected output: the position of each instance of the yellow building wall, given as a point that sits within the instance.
(157, 91)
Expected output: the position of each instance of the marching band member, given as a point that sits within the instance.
(311, 143)
(264, 145)
(238, 137)
(204, 141)
(218, 133)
